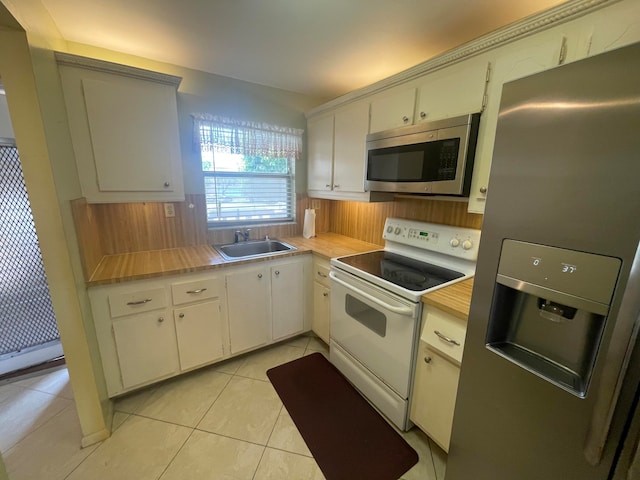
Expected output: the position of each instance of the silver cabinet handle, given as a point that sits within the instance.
(167, 184)
(483, 189)
(277, 272)
(427, 359)
(140, 302)
(323, 275)
(325, 294)
(447, 339)
(423, 115)
(336, 186)
(328, 185)
(181, 315)
(160, 319)
(259, 275)
(405, 119)
(199, 290)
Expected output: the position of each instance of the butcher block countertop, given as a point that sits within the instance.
(455, 299)
(156, 263)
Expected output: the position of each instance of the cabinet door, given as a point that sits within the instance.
(393, 110)
(349, 160)
(287, 299)
(514, 61)
(320, 321)
(249, 309)
(146, 346)
(453, 91)
(199, 334)
(434, 395)
(320, 153)
(134, 134)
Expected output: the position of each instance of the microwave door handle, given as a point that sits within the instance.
(616, 359)
(405, 311)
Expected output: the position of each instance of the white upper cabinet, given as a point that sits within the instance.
(336, 151)
(349, 148)
(392, 110)
(320, 153)
(124, 130)
(512, 62)
(452, 91)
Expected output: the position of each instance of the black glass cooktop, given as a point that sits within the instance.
(403, 271)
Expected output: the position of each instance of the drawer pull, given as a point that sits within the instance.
(446, 339)
(427, 359)
(325, 294)
(199, 290)
(323, 275)
(140, 302)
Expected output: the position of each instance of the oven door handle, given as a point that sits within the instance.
(406, 311)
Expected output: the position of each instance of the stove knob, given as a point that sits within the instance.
(467, 244)
(454, 242)
(389, 229)
(397, 230)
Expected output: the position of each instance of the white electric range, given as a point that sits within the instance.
(376, 306)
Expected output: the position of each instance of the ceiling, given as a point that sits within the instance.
(323, 48)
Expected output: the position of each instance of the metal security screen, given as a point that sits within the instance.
(26, 314)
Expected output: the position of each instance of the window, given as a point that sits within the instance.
(248, 170)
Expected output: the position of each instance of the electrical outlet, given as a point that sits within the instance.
(169, 210)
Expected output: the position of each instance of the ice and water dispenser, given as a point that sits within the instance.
(549, 310)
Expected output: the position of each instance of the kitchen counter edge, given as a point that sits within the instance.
(455, 299)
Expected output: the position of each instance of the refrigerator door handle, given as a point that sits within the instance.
(616, 361)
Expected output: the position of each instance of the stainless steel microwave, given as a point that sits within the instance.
(429, 158)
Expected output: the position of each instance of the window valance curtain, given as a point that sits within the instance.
(250, 138)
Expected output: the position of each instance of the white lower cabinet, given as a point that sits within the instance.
(437, 373)
(320, 321)
(146, 347)
(434, 398)
(287, 295)
(150, 330)
(199, 334)
(248, 300)
(266, 303)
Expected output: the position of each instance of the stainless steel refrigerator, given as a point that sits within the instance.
(551, 366)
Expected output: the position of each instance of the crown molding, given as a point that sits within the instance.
(515, 31)
(115, 68)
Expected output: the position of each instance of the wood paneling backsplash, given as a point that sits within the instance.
(112, 228)
(365, 221)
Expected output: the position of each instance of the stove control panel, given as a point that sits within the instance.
(456, 241)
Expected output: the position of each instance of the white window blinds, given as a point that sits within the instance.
(248, 170)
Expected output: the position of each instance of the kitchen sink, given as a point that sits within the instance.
(253, 248)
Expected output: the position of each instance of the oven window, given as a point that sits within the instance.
(366, 315)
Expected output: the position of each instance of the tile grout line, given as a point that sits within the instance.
(176, 454)
(72, 404)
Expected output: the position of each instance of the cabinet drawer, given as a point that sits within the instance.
(128, 303)
(195, 290)
(321, 271)
(445, 333)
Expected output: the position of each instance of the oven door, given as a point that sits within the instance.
(376, 328)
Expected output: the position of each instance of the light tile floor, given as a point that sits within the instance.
(221, 422)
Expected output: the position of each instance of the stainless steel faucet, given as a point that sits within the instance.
(240, 236)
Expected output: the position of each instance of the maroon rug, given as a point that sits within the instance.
(346, 436)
